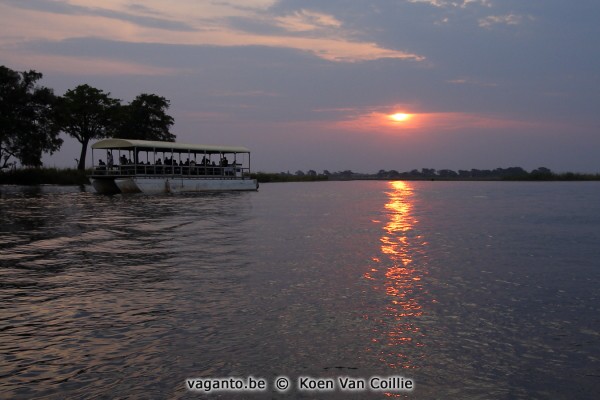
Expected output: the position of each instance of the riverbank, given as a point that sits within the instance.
(44, 176)
(69, 176)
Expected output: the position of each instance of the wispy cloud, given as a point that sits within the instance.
(508, 19)
(453, 4)
(189, 22)
(306, 21)
(135, 16)
(471, 81)
(88, 65)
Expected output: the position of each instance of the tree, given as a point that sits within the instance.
(541, 173)
(429, 172)
(87, 113)
(447, 173)
(145, 118)
(27, 118)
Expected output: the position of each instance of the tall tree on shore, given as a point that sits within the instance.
(87, 113)
(146, 118)
(27, 118)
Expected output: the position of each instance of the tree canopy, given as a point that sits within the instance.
(32, 117)
(145, 118)
(87, 113)
(28, 125)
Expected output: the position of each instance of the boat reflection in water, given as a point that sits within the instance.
(397, 271)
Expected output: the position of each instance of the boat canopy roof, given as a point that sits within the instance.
(149, 145)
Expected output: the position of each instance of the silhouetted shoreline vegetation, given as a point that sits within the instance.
(70, 176)
(429, 174)
(32, 117)
(44, 176)
(265, 177)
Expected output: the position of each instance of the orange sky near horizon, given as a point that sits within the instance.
(416, 122)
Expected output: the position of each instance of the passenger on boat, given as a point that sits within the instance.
(109, 158)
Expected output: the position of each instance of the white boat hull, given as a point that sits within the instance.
(153, 185)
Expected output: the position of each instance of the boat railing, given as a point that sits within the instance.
(230, 171)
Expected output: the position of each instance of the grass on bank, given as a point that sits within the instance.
(44, 176)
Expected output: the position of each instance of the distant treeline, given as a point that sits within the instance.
(38, 176)
(511, 173)
(287, 177)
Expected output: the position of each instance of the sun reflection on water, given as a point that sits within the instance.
(398, 272)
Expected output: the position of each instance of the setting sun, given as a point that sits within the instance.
(400, 117)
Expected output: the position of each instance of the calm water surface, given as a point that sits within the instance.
(475, 290)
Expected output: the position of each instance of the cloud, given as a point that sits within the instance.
(453, 4)
(188, 22)
(135, 17)
(306, 20)
(88, 66)
(508, 19)
(471, 81)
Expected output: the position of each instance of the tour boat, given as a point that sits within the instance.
(142, 166)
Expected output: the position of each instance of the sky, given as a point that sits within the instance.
(337, 84)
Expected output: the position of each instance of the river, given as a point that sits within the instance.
(471, 290)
